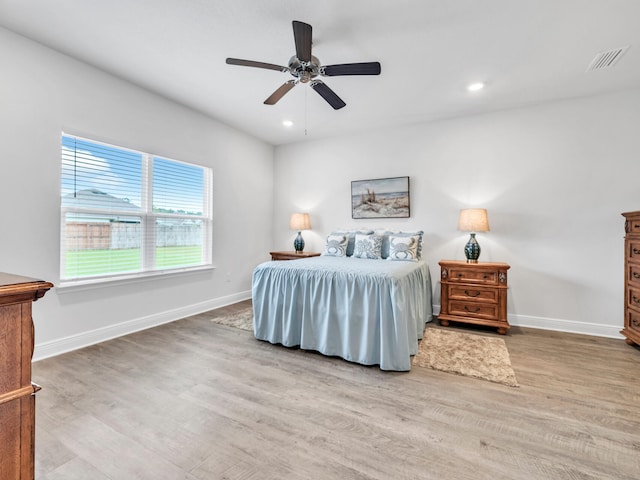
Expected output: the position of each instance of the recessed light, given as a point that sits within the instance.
(287, 123)
(474, 87)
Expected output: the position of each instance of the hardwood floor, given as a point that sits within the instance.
(198, 400)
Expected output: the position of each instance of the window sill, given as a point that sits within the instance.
(69, 286)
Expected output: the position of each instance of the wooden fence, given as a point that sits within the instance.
(120, 235)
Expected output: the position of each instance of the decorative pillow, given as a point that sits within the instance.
(403, 248)
(388, 234)
(351, 237)
(336, 246)
(367, 246)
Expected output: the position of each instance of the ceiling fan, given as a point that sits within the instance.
(305, 68)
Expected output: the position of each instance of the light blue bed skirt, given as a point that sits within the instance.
(372, 312)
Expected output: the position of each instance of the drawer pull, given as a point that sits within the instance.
(485, 276)
(636, 251)
(635, 299)
(468, 294)
(636, 275)
(477, 309)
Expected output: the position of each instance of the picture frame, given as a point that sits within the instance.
(380, 198)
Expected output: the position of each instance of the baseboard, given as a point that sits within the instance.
(569, 326)
(85, 339)
(560, 325)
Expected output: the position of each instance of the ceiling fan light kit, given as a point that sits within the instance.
(305, 68)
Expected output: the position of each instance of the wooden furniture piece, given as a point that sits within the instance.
(474, 293)
(292, 255)
(632, 278)
(17, 393)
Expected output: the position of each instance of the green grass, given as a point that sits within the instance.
(86, 263)
(178, 256)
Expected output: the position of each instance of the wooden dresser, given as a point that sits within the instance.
(292, 255)
(632, 278)
(17, 393)
(474, 293)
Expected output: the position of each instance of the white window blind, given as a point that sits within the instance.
(128, 213)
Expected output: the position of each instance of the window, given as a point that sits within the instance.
(128, 213)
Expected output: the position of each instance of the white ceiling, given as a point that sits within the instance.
(527, 51)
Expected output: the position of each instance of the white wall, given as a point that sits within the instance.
(42, 93)
(554, 178)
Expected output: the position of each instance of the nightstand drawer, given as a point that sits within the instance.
(473, 309)
(632, 226)
(633, 250)
(633, 319)
(473, 293)
(471, 275)
(634, 274)
(634, 298)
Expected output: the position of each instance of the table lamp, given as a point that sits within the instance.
(299, 222)
(473, 220)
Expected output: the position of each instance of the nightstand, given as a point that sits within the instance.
(292, 255)
(474, 293)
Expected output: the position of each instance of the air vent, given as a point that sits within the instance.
(606, 59)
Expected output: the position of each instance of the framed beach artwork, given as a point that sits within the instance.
(380, 198)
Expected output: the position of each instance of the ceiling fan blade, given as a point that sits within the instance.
(329, 95)
(251, 63)
(280, 92)
(364, 68)
(302, 37)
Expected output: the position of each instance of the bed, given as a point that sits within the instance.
(366, 310)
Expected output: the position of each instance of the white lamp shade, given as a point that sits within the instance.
(473, 220)
(299, 221)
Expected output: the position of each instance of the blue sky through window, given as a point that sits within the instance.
(93, 166)
(103, 169)
(177, 186)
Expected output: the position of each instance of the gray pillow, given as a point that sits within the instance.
(336, 246)
(367, 246)
(403, 248)
(388, 233)
(351, 238)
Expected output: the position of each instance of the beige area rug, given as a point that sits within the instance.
(466, 354)
(242, 319)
